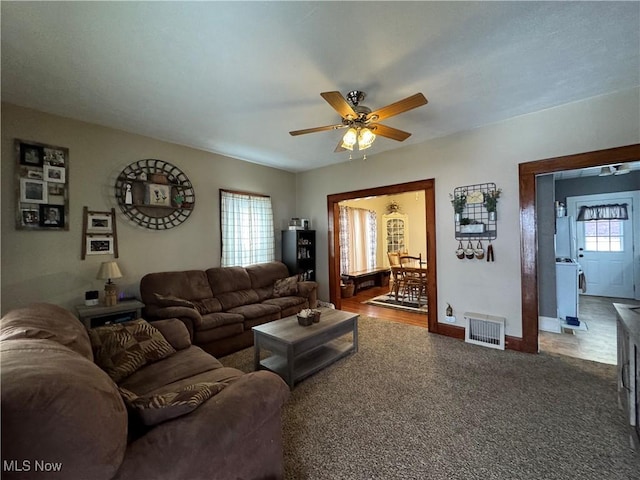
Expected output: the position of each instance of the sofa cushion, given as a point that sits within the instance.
(171, 301)
(188, 285)
(265, 274)
(285, 287)
(60, 407)
(286, 302)
(216, 320)
(154, 409)
(175, 332)
(231, 300)
(47, 321)
(208, 305)
(256, 310)
(228, 279)
(122, 348)
(202, 337)
(179, 366)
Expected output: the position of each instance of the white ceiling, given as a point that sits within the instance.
(236, 77)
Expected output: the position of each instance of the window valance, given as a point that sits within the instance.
(603, 212)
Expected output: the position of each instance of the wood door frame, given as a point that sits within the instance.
(528, 228)
(333, 240)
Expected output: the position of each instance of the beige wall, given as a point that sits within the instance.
(46, 266)
(488, 154)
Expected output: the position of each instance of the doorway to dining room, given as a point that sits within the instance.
(427, 226)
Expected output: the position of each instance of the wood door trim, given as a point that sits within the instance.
(528, 227)
(333, 240)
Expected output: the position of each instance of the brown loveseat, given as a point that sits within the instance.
(220, 305)
(63, 416)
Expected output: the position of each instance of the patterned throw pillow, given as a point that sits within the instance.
(285, 287)
(154, 409)
(123, 348)
(171, 301)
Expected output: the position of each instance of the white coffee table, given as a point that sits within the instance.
(297, 351)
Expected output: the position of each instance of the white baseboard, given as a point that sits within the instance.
(549, 324)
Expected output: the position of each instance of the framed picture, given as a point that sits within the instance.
(30, 217)
(34, 174)
(56, 189)
(99, 245)
(159, 195)
(53, 157)
(33, 191)
(52, 216)
(99, 223)
(31, 155)
(54, 174)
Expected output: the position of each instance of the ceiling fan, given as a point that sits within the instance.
(361, 121)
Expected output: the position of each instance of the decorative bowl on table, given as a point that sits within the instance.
(308, 316)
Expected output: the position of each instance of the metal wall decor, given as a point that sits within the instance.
(155, 194)
(475, 222)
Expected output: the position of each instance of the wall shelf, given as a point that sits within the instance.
(148, 191)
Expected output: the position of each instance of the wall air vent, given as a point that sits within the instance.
(486, 330)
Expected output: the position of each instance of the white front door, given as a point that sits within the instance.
(605, 247)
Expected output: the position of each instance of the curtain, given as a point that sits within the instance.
(358, 239)
(246, 223)
(603, 212)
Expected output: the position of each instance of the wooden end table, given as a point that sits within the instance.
(97, 315)
(297, 351)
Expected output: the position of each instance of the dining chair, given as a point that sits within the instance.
(413, 275)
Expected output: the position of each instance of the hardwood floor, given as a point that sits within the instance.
(354, 304)
(598, 343)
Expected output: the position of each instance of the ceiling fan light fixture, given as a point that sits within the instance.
(365, 138)
(622, 169)
(605, 172)
(349, 139)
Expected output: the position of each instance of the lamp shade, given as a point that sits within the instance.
(349, 139)
(622, 169)
(365, 138)
(109, 270)
(605, 172)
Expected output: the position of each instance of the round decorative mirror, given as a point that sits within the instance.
(155, 194)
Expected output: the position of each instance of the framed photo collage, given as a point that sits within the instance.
(42, 187)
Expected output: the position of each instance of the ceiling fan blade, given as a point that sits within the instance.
(339, 147)
(337, 101)
(389, 132)
(396, 108)
(317, 129)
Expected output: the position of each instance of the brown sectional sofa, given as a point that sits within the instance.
(220, 305)
(60, 408)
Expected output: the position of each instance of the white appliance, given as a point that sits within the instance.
(567, 270)
(567, 273)
(565, 238)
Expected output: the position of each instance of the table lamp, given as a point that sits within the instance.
(109, 270)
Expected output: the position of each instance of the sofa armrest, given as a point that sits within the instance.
(175, 331)
(235, 434)
(159, 313)
(309, 290)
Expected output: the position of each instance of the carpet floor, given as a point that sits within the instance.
(414, 405)
(408, 304)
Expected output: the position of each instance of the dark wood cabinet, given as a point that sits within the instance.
(299, 252)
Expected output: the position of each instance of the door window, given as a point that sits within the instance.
(603, 236)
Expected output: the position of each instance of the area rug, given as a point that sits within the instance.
(416, 405)
(405, 303)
